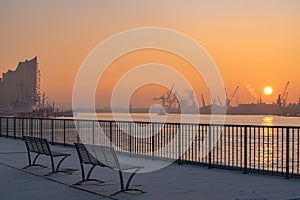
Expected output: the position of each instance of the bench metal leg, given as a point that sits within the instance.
(87, 178)
(127, 184)
(34, 161)
(58, 165)
(55, 170)
(36, 157)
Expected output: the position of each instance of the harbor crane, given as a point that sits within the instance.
(168, 100)
(228, 100)
(203, 101)
(281, 100)
(220, 102)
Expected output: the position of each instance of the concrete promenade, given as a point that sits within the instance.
(172, 182)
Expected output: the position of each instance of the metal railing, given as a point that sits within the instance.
(273, 150)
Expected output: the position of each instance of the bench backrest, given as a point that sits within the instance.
(96, 154)
(85, 156)
(37, 145)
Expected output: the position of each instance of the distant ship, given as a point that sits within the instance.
(20, 89)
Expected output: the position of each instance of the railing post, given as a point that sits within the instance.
(287, 153)
(130, 138)
(209, 147)
(78, 130)
(93, 132)
(22, 130)
(31, 127)
(52, 131)
(7, 128)
(179, 144)
(110, 133)
(245, 149)
(41, 128)
(14, 128)
(64, 132)
(152, 140)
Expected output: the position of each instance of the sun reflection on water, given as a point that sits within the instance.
(267, 121)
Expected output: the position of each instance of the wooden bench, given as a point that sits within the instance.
(104, 156)
(40, 146)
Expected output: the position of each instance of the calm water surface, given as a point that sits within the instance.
(204, 119)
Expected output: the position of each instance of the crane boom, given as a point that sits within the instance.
(284, 93)
(228, 100)
(220, 102)
(235, 91)
(170, 91)
(203, 101)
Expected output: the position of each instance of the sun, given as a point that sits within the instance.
(268, 90)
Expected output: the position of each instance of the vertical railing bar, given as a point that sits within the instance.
(78, 131)
(217, 145)
(41, 128)
(152, 140)
(277, 153)
(52, 131)
(31, 126)
(110, 133)
(293, 153)
(225, 146)
(64, 132)
(221, 144)
(7, 126)
(130, 138)
(209, 147)
(14, 128)
(22, 129)
(263, 150)
(245, 149)
(179, 143)
(232, 146)
(93, 135)
(298, 154)
(282, 153)
(268, 148)
(254, 147)
(287, 153)
(259, 148)
(272, 150)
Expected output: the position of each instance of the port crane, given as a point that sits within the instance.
(228, 100)
(203, 101)
(169, 99)
(281, 100)
(220, 102)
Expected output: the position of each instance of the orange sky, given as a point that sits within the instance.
(252, 42)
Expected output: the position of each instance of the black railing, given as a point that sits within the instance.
(271, 150)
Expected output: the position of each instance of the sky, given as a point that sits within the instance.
(254, 43)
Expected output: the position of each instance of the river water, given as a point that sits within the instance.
(202, 119)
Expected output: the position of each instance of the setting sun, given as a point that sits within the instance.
(268, 90)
